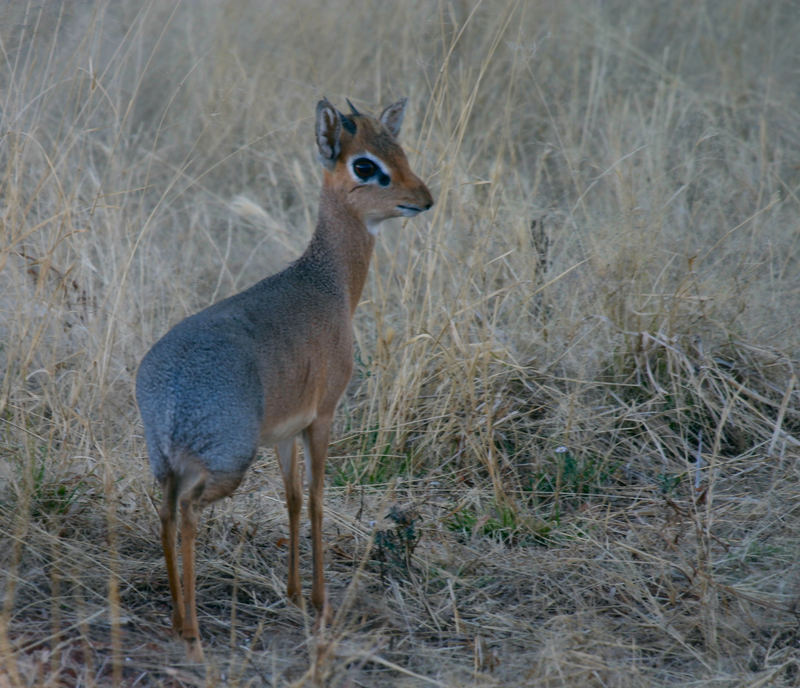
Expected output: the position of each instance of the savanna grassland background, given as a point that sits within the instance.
(569, 452)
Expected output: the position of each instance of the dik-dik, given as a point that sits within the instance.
(269, 364)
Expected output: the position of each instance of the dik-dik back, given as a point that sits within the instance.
(238, 375)
(269, 364)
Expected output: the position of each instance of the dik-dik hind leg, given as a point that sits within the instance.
(316, 437)
(287, 457)
(169, 527)
(192, 486)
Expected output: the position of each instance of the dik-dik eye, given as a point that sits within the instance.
(364, 168)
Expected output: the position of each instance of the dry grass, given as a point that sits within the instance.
(576, 384)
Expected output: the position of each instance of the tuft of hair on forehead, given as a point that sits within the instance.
(348, 124)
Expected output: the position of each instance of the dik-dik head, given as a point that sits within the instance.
(364, 162)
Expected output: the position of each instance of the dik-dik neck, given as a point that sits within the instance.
(341, 246)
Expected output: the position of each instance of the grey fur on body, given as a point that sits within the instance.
(200, 387)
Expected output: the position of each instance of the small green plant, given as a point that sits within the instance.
(394, 546)
(363, 368)
(52, 496)
(668, 482)
(501, 523)
(573, 478)
(374, 462)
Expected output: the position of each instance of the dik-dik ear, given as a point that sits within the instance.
(392, 116)
(329, 132)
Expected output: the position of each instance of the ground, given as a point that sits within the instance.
(568, 455)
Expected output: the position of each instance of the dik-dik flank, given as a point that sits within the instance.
(269, 364)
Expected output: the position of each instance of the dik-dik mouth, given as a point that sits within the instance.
(411, 210)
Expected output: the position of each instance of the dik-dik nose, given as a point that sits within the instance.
(427, 203)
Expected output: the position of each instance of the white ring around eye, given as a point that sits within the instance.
(382, 168)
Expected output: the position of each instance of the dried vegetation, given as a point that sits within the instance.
(569, 452)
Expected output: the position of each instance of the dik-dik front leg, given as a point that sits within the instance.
(287, 458)
(316, 437)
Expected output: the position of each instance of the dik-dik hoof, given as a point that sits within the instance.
(324, 617)
(194, 650)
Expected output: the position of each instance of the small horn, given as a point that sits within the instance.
(347, 123)
(353, 110)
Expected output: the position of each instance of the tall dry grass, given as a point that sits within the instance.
(569, 453)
